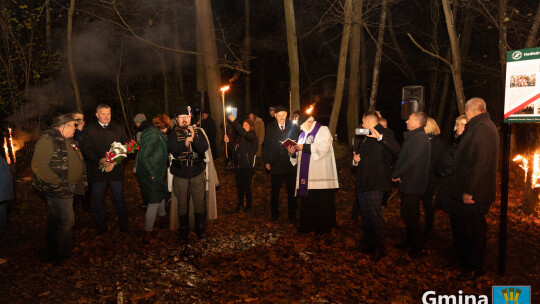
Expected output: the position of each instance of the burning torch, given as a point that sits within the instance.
(223, 89)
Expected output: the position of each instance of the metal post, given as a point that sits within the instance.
(504, 197)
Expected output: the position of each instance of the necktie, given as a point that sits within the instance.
(282, 128)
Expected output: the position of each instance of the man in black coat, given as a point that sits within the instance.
(276, 158)
(411, 171)
(209, 126)
(474, 184)
(97, 139)
(373, 157)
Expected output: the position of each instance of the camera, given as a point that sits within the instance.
(362, 131)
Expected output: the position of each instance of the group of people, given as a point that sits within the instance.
(297, 151)
(464, 172)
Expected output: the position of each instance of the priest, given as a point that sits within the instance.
(316, 178)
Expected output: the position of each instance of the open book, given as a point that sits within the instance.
(288, 143)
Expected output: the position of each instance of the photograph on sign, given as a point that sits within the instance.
(522, 92)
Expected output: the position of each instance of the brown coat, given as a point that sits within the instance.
(259, 131)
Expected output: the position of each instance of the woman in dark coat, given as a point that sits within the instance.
(151, 170)
(243, 153)
(438, 146)
(444, 168)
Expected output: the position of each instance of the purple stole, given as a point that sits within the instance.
(304, 161)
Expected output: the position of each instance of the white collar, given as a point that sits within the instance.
(103, 125)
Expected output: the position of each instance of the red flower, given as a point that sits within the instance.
(128, 148)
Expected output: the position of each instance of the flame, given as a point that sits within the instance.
(7, 152)
(310, 109)
(535, 177)
(11, 144)
(225, 88)
(536, 171)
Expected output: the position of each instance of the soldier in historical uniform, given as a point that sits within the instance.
(188, 145)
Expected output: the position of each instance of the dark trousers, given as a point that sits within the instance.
(370, 207)
(61, 220)
(410, 213)
(98, 194)
(290, 182)
(472, 234)
(83, 200)
(429, 206)
(318, 211)
(243, 186)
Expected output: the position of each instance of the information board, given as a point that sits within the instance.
(522, 90)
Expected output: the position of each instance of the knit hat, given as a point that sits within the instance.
(62, 119)
(139, 118)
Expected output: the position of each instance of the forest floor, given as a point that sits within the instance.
(246, 257)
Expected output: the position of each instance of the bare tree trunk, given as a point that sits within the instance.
(468, 26)
(363, 70)
(202, 85)
(119, 91)
(354, 79)
(178, 74)
(247, 53)
(70, 55)
(456, 55)
(342, 63)
(165, 81)
(378, 58)
(444, 97)
(502, 38)
(408, 70)
(292, 45)
(203, 12)
(532, 39)
(48, 26)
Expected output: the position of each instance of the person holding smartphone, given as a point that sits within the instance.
(372, 158)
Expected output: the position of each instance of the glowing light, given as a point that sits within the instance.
(310, 109)
(229, 109)
(11, 144)
(6, 151)
(225, 88)
(535, 177)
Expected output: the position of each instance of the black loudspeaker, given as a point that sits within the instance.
(412, 100)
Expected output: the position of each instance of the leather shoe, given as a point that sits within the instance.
(471, 275)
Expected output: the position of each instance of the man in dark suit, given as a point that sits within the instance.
(411, 171)
(474, 185)
(97, 139)
(373, 158)
(276, 158)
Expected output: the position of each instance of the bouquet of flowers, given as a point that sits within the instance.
(118, 152)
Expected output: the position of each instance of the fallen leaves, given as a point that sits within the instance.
(246, 258)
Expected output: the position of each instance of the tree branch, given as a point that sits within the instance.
(428, 52)
(129, 29)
